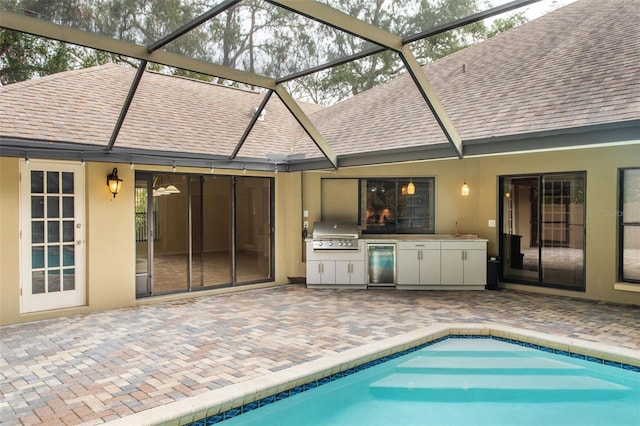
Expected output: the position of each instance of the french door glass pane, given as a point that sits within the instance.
(53, 231)
(37, 207)
(67, 207)
(67, 183)
(37, 232)
(53, 281)
(53, 182)
(69, 279)
(37, 282)
(67, 231)
(37, 182)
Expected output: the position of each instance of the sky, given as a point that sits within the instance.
(542, 7)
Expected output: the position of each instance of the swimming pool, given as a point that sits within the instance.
(458, 381)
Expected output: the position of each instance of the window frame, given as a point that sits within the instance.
(622, 224)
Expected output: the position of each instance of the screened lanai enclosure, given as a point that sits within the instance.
(298, 56)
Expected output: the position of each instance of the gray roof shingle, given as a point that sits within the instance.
(577, 66)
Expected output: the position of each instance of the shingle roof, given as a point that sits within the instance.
(166, 114)
(577, 66)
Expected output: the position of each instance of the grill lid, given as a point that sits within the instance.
(329, 230)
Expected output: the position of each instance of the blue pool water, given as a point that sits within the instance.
(461, 382)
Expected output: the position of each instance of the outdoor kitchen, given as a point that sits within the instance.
(340, 256)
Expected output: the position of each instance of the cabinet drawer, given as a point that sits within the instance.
(464, 245)
(419, 245)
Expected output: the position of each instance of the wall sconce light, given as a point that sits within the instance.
(114, 182)
(411, 188)
(465, 189)
(404, 190)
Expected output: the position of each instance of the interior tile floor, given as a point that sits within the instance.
(92, 368)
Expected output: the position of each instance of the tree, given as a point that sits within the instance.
(254, 36)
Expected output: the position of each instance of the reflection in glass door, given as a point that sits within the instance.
(543, 227)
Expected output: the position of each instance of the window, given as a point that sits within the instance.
(629, 225)
(387, 205)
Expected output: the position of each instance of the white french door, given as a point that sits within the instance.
(52, 236)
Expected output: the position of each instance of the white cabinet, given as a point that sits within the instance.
(321, 271)
(350, 272)
(463, 263)
(336, 268)
(418, 263)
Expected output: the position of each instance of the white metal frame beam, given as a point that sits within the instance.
(306, 124)
(430, 96)
(341, 21)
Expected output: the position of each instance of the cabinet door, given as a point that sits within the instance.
(451, 265)
(408, 268)
(430, 267)
(475, 267)
(357, 272)
(350, 272)
(343, 272)
(321, 272)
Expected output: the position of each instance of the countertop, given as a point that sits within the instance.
(422, 237)
(418, 237)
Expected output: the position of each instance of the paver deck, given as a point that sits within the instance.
(92, 368)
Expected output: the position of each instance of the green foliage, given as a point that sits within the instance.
(254, 36)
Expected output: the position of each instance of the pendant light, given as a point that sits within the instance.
(411, 188)
(465, 189)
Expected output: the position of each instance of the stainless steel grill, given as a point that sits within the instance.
(335, 236)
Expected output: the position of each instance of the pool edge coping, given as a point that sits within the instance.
(216, 401)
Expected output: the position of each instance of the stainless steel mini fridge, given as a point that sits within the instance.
(381, 268)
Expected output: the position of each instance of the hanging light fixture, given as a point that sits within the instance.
(171, 189)
(465, 189)
(411, 188)
(114, 182)
(404, 190)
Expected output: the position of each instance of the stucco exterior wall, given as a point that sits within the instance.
(110, 239)
(474, 211)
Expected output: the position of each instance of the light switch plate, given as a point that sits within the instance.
(492, 223)
(305, 213)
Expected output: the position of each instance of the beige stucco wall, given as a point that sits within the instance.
(110, 228)
(474, 211)
(110, 240)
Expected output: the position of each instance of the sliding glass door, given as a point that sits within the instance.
(201, 231)
(543, 228)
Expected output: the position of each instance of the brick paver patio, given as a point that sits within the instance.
(92, 368)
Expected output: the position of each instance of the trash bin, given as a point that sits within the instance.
(493, 266)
